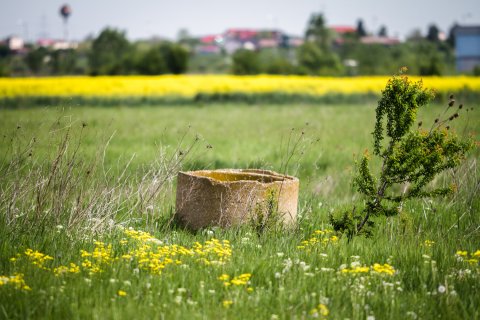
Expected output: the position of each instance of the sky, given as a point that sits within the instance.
(142, 19)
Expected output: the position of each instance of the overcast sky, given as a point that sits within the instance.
(145, 18)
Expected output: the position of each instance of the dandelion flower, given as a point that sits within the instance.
(227, 303)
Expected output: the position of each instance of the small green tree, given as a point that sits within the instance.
(318, 33)
(35, 59)
(409, 157)
(152, 62)
(110, 53)
(176, 57)
(245, 62)
(313, 60)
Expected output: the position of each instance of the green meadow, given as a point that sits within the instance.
(87, 228)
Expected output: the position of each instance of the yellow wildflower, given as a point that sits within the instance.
(386, 268)
(321, 310)
(319, 237)
(429, 243)
(356, 270)
(37, 258)
(227, 303)
(72, 268)
(224, 277)
(16, 280)
(121, 293)
(461, 253)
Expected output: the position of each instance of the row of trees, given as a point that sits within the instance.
(321, 55)
(113, 54)
(110, 53)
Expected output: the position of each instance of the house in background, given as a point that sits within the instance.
(467, 47)
(14, 43)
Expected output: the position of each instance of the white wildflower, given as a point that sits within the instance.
(441, 289)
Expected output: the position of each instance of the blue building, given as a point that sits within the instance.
(467, 47)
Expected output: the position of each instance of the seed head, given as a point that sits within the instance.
(451, 103)
(436, 120)
(447, 127)
(451, 96)
(460, 106)
(420, 123)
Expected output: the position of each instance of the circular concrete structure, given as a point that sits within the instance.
(229, 197)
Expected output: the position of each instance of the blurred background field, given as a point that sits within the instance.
(200, 89)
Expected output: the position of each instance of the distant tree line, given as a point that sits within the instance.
(321, 55)
(108, 54)
(111, 53)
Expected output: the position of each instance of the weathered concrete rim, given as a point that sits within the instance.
(240, 176)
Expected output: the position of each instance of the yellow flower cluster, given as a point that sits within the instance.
(37, 258)
(428, 243)
(154, 260)
(241, 280)
(471, 258)
(376, 268)
(141, 251)
(190, 85)
(355, 270)
(227, 303)
(61, 270)
(318, 238)
(101, 255)
(213, 251)
(321, 310)
(150, 255)
(16, 281)
(385, 268)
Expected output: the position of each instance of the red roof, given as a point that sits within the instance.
(242, 34)
(343, 29)
(208, 39)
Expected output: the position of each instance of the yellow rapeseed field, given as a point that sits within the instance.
(190, 85)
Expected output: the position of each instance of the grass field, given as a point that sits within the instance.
(77, 187)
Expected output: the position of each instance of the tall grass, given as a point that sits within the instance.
(68, 187)
(75, 185)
